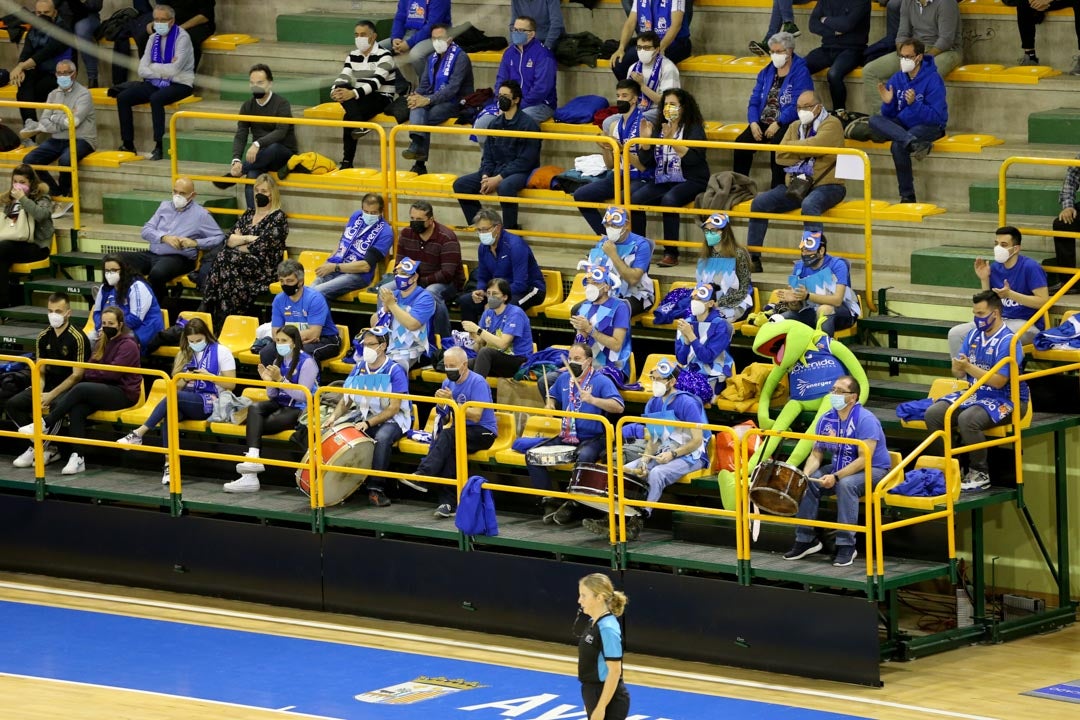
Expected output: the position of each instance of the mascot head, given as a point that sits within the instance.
(785, 342)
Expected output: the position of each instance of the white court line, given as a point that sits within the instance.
(495, 649)
(170, 696)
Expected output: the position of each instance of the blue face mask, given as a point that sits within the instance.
(519, 37)
(369, 219)
(64, 81)
(837, 401)
(283, 349)
(984, 323)
(403, 283)
(197, 347)
(161, 28)
(712, 238)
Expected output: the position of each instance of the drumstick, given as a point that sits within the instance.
(566, 364)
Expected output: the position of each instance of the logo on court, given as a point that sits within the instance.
(418, 690)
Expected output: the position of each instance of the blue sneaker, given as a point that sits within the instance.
(845, 555)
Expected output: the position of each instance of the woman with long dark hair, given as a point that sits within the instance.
(733, 299)
(122, 287)
(27, 207)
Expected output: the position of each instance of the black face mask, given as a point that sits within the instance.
(290, 290)
(505, 102)
(577, 369)
(453, 375)
(110, 332)
(623, 106)
(262, 200)
(418, 226)
(258, 93)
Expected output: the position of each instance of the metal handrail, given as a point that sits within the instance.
(73, 168)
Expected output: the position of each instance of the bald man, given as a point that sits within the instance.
(177, 232)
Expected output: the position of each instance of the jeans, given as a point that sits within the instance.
(887, 44)
(359, 109)
(82, 401)
(189, 406)
(782, 12)
(84, 30)
(267, 418)
(324, 348)
(677, 51)
(158, 269)
(16, 251)
(958, 332)
(539, 113)
(880, 70)
(816, 202)
(598, 192)
(158, 98)
(591, 450)
(269, 159)
(661, 475)
(490, 362)
(430, 115)
(509, 187)
(1064, 248)
(848, 491)
(441, 460)
(338, 283)
(672, 194)
(744, 159)
(902, 139)
(385, 436)
(840, 61)
(1027, 18)
(971, 423)
(840, 318)
(53, 150)
(444, 294)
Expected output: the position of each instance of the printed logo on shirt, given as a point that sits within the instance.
(529, 64)
(661, 23)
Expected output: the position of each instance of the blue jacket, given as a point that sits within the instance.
(796, 82)
(534, 67)
(508, 156)
(513, 261)
(929, 107)
(419, 15)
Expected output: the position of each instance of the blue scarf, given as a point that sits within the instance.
(668, 162)
(352, 249)
(206, 388)
(831, 424)
(654, 79)
(163, 56)
(629, 129)
(442, 76)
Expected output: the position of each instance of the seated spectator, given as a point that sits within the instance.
(623, 126)
(782, 19)
(844, 27)
(365, 86)
(547, 14)
(937, 26)
(365, 243)
(167, 68)
(680, 173)
(584, 390)
(195, 17)
(772, 108)
(1019, 283)
(124, 288)
(27, 201)
(290, 363)
(815, 128)
(55, 123)
(701, 342)
(1029, 13)
(725, 264)
(200, 352)
(822, 285)
(383, 419)
(602, 322)
(913, 113)
(845, 475)
(272, 143)
(501, 254)
(60, 341)
(412, 31)
(670, 452)
(247, 262)
(84, 16)
(98, 388)
(1065, 247)
(436, 250)
(532, 68)
(653, 73)
(886, 45)
(177, 231)
(445, 78)
(669, 19)
(34, 75)
(626, 257)
(985, 345)
(506, 162)
(461, 386)
(407, 309)
(306, 311)
(503, 336)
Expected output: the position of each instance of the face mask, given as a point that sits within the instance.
(112, 278)
(369, 218)
(258, 92)
(453, 374)
(646, 56)
(984, 323)
(370, 355)
(486, 238)
(907, 65)
(63, 81)
(22, 186)
(592, 293)
(712, 238)
(697, 307)
(659, 388)
(179, 201)
(505, 101)
(1001, 254)
(809, 259)
(671, 112)
(806, 116)
(623, 106)
(290, 290)
(837, 401)
(402, 283)
(576, 369)
(283, 349)
(440, 46)
(418, 226)
(613, 234)
(519, 37)
(362, 44)
(779, 59)
(495, 302)
(161, 28)
(262, 200)
(110, 332)
(197, 347)
(56, 320)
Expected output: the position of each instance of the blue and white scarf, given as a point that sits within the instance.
(163, 56)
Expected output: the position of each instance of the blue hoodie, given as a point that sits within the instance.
(796, 82)
(929, 107)
(419, 15)
(534, 67)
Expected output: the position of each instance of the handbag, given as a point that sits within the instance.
(799, 187)
(21, 228)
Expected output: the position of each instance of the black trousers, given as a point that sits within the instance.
(82, 401)
(267, 418)
(617, 709)
(360, 110)
(35, 87)
(490, 362)
(158, 269)
(1064, 248)
(1027, 18)
(745, 158)
(11, 252)
(441, 460)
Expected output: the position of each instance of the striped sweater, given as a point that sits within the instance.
(373, 73)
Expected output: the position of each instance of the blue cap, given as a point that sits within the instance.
(616, 217)
(703, 292)
(406, 267)
(665, 368)
(597, 274)
(719, 220)
(811, 241)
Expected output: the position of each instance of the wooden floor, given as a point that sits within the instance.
(973, 683)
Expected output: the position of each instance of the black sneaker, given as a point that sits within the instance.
(358, 133)
(283, 172)
(225, 183)
(345, 165)
(548, 508)
(565, 514)
(790, 27)
(127, 147)
(845, 555)
(414, 152)
(419, 168)
(443, 511)
(920, 149)
(377, 498)
(157, 153)
(761, 49)
(802, 549)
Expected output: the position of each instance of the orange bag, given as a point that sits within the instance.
(724, 448)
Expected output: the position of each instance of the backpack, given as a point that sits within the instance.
(581, 110)
(119, 20)
(581, 48)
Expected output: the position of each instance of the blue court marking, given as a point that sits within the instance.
(315, 677)
(1068, 692)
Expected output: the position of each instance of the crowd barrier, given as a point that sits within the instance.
(11, 162)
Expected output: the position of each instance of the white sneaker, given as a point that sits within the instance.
(61, 209)
(130, 439)
(246, 483)
(27, 458)
(75, 465)
(28, 429)
(250, 468)
(165, 475)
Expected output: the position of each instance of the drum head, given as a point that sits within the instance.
(338, 486)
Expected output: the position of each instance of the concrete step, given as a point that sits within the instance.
(84, 288)
(901, 356)
(35, 316)
(1058, 126)
(325, 28)
(135, 207)
(951, 266)
(301, 90)
(1022, 197)
(899, 325)
(22, 338)
(204, 146)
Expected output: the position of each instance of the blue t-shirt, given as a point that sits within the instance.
(611, 642)
(681, 406)
(613, 314)
(364, 242)
(310, 309)
(1024, 277)
(813, 375)
(600, 385)
(474, 387)
(860, 425)
(823, 280)
(512, 321)
(985, 352)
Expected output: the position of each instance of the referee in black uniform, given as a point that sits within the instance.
(600, 650)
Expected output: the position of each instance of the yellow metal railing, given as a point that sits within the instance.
(73, 168)
(35, 389)
(1003, 171)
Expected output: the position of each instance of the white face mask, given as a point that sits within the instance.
(697, 307)
(362, 44)
(646, 56)
(179, 201)
(613, 234)
(56, 320)
(440, 46)
(592, 293)
(806, 116)
(779, 59)
(907, 65)
(370, 355)
(112, 278)
(1002, 254)
(486, 238)
(659, 388)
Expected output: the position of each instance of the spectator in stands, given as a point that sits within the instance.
(815, 128)
(532, 68)
(460, 386)
(290, 363)
(445, 78)
(734, 299)
(97, 388)
(936, 25)
(55, 123)
(1017, 280)
(247, 262)
(124, 288)
(167, 68)
(773, 103)
(501, 254)
(506, 162)
(845, 475)
(782, 19)
(913, 113)
(585, 390)
(411, 33)
(985, 345)
(622, 127)
(1065, 247)
(626, 257)
(272, 143)
(886, 45)
(407, 310)
(547, 14)
(200, 352)
(34, 75)
(1029, 13)
(306, 311)
(28, 199)
(366, 241)
(365, 86)
(383, 419)
(436, 250)
(822, 286)
(85, 17)
(177, 231)
(653, 73)
(503, 337)
(680, 173)
(195, 17)
(61, 341)
(670, 452)
(602, 322)
(702, 341)
(844, 27)
(669, 19)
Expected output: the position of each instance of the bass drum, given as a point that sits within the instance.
(347, 446)
(591, 479)
(778, 488)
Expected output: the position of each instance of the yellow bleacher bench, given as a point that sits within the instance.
(553, 294)
(109, 158)
(1067, 356)
(29, 268)
(228, 41)
(434, 182)
(990, 73)
(537, 426)
(573, 128)
(643, 396)
(561, 311)
(139, 415)
(113, 416)
(952, 482)
(238, 332)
